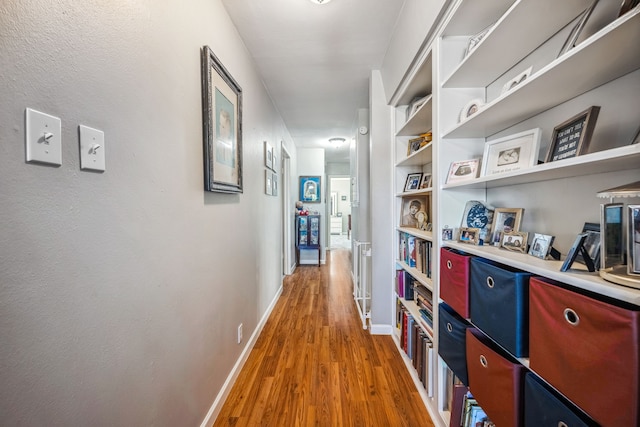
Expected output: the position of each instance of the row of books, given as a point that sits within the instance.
(464, 409)
(408, 288)
(416, 252)
(418, 346)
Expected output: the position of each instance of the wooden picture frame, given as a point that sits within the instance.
(469, 236)
(415, 212)
(413, 182)
(572, 137)
(222, 126)
(511, 153)
(426, 181)
(514, 241)
(464, 170)
(414, 145)
(505, 220)
(310, 189)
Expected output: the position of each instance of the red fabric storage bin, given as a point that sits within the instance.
(588, 350)
(454, 280)
(495, 380)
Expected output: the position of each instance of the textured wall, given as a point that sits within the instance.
(121, 292)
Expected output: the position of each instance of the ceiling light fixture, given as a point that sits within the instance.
(337, 142)
(320, 1)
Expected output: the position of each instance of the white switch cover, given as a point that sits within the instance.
(92, 150)
(43, 137)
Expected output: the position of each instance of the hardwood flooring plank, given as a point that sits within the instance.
(314, 365)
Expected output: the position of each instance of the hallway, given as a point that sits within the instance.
(313, 364)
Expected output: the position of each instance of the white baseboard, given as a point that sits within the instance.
(381, 329)
(312, 262)
(233, 375)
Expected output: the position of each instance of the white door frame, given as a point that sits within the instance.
(287, 223)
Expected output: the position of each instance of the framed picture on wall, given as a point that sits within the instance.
(310, 189)
(222, 126)
(511, 153)
(268, 155)
(572, 137)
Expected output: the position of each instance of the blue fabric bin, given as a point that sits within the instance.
(452, 336)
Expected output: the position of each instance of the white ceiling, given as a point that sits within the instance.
(315, 60)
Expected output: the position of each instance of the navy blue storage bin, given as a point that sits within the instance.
(453, 341)
(499, 301)
(545, 407)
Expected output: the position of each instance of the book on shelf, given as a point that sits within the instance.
(458, 398)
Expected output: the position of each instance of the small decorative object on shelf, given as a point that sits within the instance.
(477, 215)
(447, 233)
(515, 241)
(414, 145)
(505, 220)
(577, 29)
(426, 181)
(475, 40)
(571, 138)
(413, 181)
(469, 235)
(416, 104)
(541, 245)
(415, 212)
(471, 108)
(511, 84)
(511, 153)
(464, 170)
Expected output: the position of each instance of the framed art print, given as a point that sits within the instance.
(222, 126)
(268, 155)
(511, 153)
(310, 191)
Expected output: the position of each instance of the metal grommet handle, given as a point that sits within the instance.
(562, 424)
(490, 282)
(449, 327)
(571, 316)
(483, 361)
(449, 264)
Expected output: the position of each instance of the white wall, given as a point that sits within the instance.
(121, 292)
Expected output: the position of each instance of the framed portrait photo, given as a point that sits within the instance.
(505, 220)
(572, 137)
(470, 236)
(413, 181)
(415, 212)
(514, 241)
(222, 126)
(541, 245)
(310, 191)
(464, 170)
(511, 153)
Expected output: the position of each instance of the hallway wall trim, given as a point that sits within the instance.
(381, 329)
(233, 375)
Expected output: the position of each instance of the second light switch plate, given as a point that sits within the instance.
(92, 149)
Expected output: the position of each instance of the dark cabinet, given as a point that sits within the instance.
(307, 234)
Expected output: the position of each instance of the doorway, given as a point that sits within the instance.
(339, 212)
(287, 213)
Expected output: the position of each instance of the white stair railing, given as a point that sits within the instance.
(361, 279)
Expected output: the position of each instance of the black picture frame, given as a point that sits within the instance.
(591, 244)
(413, 182)
(222, 126)
(576, 248)
(572, 137)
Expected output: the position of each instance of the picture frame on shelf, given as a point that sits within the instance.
(633, 221)
(426, 181)
(414, 145)
(627, 5)
(469, 236)
(415, 212)
(591, 244)
(267, 182)
(511, 153)
(636, 139)
(268, 155)
(413, 181)
(463, 170)
(471, 108)
(612, 232)
(576, 248)
(511, 84)
(541, 245)
(572, 137)
(514, 241)
(310, 189)
(475, 40)
(447, 233)
(222, 126)
(415, 105)
(570, 42)
(505, 220)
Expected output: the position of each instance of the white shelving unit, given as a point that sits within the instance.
(522, 31)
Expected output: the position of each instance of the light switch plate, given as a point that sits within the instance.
(43, 138)
(92, 149)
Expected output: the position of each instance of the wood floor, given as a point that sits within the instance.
(314, 365)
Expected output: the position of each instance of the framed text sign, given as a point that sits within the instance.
(571, 138)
